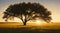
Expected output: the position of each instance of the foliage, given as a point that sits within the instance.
(27, 11)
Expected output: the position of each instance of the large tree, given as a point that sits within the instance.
(27, 11)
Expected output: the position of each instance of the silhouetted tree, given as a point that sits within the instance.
(27, 11)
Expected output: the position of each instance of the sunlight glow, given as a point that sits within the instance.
(31, 22)
(15, 20)
(38, 22)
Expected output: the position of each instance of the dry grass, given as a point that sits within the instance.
(16, 27)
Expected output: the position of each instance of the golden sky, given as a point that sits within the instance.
(51, 5)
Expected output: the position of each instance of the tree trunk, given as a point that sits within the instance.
(24, 22)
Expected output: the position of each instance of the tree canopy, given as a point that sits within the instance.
(27, 11)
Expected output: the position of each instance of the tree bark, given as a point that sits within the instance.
(25, 22)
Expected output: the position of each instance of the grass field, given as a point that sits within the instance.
(16, 27)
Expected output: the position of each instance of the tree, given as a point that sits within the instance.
(27, 11)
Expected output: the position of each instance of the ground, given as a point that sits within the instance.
(16, 27)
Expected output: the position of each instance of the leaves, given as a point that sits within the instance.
(28, 10)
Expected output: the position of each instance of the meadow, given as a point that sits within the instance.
(16, 27)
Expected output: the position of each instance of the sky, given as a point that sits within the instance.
(51, 5)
